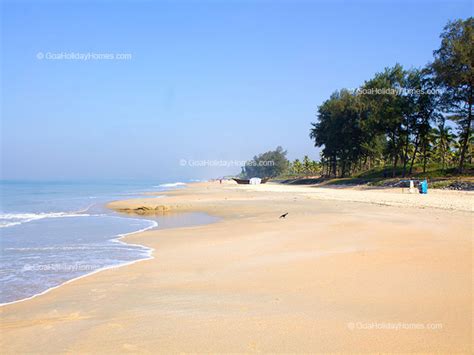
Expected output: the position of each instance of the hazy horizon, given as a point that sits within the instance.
(199, 81)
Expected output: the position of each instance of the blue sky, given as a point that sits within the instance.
(207, 80)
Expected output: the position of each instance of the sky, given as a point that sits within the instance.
(202, 86)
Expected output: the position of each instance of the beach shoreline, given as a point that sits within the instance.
(218, 287)
(118, 239)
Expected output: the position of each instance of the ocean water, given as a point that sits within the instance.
(53, 232)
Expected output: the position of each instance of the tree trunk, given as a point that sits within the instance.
(467, 133)
(405, 156)
(443, 157)
(395, 155)
(417, 144)
(424, 156)
(395, 163)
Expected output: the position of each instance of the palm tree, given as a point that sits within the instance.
(315, 170)
(444, 139)
(306, 165)
(297, 167)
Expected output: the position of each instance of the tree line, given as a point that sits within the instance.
(305, 167)
(403, 118)
(275, 164)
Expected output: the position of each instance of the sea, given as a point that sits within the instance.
(55, 232)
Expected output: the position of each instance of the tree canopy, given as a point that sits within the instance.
(453, 72)
(402, 116)
(268, 164)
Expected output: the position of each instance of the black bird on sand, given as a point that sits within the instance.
(284, 215)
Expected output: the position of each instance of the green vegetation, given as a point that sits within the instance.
(402, 122)
(306, 167)
(404, 119)
(380, 177)
(274, 164)
(268, 164)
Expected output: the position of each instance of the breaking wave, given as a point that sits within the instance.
(13, 219)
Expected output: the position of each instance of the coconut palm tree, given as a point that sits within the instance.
(297, 167)
(444, 139)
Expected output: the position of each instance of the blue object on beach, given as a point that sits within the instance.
(424, 187)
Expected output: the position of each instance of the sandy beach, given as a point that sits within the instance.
(348, 270)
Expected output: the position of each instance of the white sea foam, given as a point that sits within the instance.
(64, 248)
(148, 255)
(13, 219)
(172, 184)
